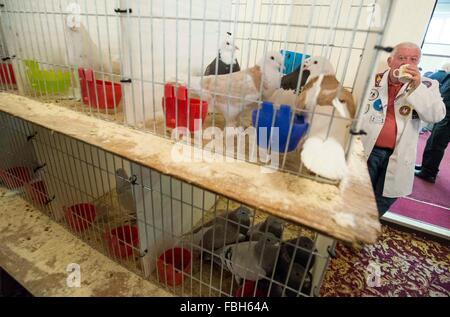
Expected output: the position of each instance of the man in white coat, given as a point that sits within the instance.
(392, 122)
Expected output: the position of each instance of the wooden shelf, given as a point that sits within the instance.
(36, 251)
(347, 212)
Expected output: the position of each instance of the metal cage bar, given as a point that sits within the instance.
(130, 212)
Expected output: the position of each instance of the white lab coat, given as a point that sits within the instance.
(424, 103)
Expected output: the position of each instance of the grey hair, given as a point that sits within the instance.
(446, 67)
(406, 45)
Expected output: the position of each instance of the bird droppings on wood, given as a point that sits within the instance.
(40, 263)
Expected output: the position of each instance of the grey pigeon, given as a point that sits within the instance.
(250, 260)
(282, 284)
(297, 275)
(290, 268)
(124, 190)
(272, 224)
(303, 253)
(223, 230)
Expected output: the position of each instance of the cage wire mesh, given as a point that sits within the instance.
(157, 66)
(187, 239)
(145, 64)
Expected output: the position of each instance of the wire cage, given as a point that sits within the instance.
(151, 65)
(156, 66)
(187, 239)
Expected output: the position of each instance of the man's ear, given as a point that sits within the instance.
(389, 60)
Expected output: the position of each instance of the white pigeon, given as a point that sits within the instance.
(226, 62)
(250, 260)
(230, 89)
(316, 66)
(331, 109)
(312, 68)
(82, 50)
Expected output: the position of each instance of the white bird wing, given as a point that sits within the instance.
(83, 51)
(232, 87)
(341, 108)
(326, 125)
(283, 97)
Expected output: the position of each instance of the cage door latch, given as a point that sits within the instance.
(331, 252)
(387, 49)
(31, 136)
(50, 200)
(119, 10)
(39, 167)
(360, 132)
(133, 180)
(7, 58)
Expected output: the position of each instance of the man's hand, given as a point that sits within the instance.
(416, 79)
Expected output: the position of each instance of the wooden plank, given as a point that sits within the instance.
(36, 252)
(346, 212)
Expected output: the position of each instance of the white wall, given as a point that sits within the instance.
(162, 53)
(155, 49)
(257, 26)
(324, 36)
(408, 23)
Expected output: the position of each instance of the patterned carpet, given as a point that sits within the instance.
(410, 265)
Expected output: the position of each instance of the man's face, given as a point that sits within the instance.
(404, 55)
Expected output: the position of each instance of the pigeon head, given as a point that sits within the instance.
(267, 247)
(273, 60)
(316, 66)
(267, 244)
(241, 216)
(228, 49)
(228, 46)
(267, 239)
(303, 254)
(274, 221)
(73, 18)
(273, 225)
